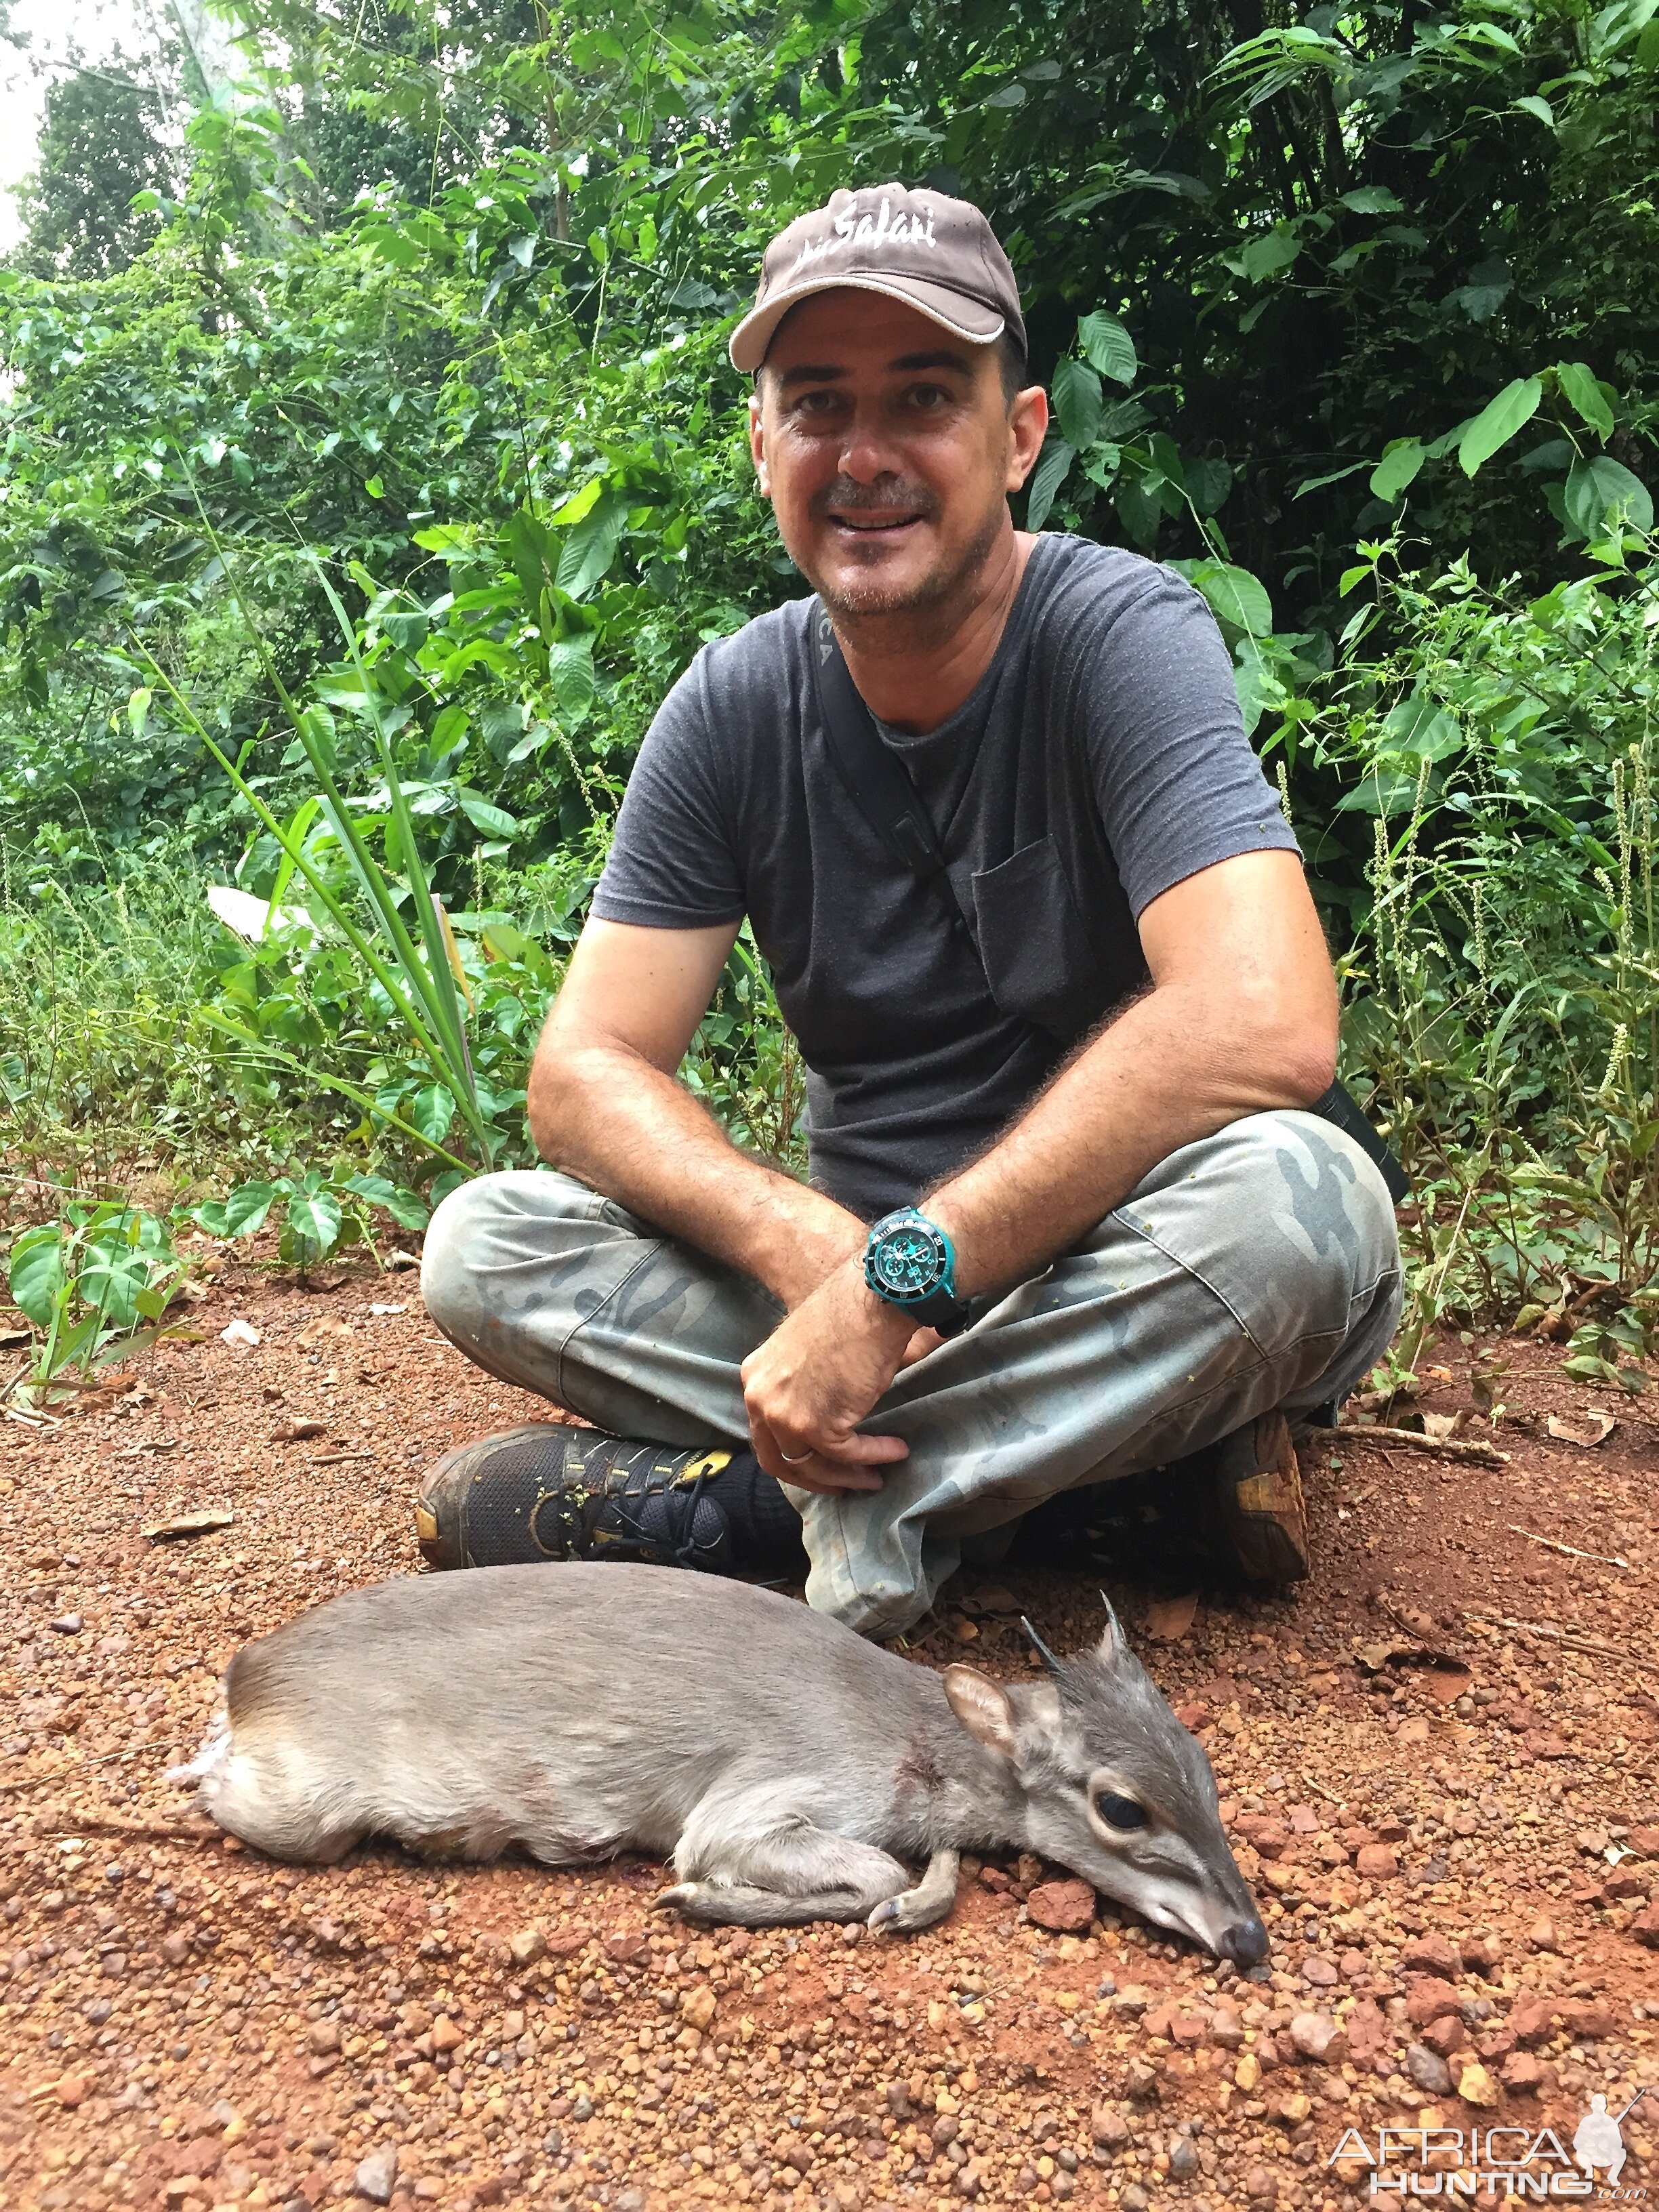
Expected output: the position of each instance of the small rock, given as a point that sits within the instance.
(1260, 2185)
(628, 1948)
(323, 2037)
(1428, 2069)
(1183, 2159)
(1530, 2017)
(1377, 1863)
(1645, 1841)
(1311, 2033)
(1246, 2075)
(70, 2090)
(1476, 2086)
(1526, 2074)
(376, 2174)
(1446, 2035)
(67, 1624)
(698, 2008)
(526, 1947)
(1432, 1954)
(1134, 2198)
(1320, 1974)
(1482, 1954)
(1543, 1935)
(1065, 1908)
(1645, 1928)
(1140, 2081)
(1428, 1999)
(238, 1332)
(1590, 2020)
(1109, 2129)
(446, 2036)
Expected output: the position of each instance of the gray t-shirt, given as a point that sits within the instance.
(1099, 760)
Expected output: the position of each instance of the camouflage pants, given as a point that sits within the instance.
(1256, 1269)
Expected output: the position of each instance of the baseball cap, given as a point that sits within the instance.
(934, 253)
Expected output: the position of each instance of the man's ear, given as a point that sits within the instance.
(982, 1706)
(758, 443)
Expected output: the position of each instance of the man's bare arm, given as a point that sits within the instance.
(1242, 1017)
(605, 1103)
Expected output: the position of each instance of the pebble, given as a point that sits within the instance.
(1476, 2086)
(67, 1624)
(376, 2174)
(1313, 2032)
(1065, 1908)
(1428, 2069)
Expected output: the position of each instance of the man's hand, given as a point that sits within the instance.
(818, 1375)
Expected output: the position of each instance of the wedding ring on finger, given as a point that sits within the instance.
(796, 1461)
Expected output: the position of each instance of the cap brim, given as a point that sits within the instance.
(963, 317)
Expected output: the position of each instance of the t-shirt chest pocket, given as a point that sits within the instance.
(1038, 960)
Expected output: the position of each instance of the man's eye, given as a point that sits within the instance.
(1121, 1813)
(929, 397)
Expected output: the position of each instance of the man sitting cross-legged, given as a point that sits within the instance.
(1074, 1062)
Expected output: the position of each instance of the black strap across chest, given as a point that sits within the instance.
(880, 787)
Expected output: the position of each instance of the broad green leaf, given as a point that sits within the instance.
(1595, 488)
(36, 1273)
(1402, 459)
(1371, 199)
(375, 1189)
(315, 1215)
(138, 711)
(431, 1110)
(493, 821)
(1498, 421)
(1078, 404)
(1208, 484)
(1048, 477)
(1237, 598)
(570, 674)
(1585, 396)
(1108, 346)
(408, 1209)
(246, 1207)
(591, 547)
(1265, 256)
(1534, 104)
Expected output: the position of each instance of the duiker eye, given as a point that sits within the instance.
(1120, 1812)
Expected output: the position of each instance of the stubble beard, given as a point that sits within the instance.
(934, 602)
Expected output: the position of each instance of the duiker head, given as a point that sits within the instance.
(1116, 1788)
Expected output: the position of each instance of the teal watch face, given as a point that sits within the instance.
(906, 1259)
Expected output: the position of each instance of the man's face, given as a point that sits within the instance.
(888, 449)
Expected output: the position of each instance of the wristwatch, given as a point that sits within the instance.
(909, 1262)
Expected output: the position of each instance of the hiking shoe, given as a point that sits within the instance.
(546, 1492)
(1234, 1510)
(1259, 1502)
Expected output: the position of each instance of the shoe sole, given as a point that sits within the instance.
(440, 1506)
(1262, 1505)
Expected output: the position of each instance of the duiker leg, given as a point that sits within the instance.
(779, 1875)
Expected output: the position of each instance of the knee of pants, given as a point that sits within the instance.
(1315, 1220)
(466, 1233)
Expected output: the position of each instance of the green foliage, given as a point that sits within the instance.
(93, 1286)
(350, 536)
(100, 147)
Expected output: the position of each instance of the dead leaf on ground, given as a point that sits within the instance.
(295, 1432)
(1445, 1678)
(201, 1523)
(1442, 1426)
(238, 1332)
(1169, 1619)
(1585, 1430)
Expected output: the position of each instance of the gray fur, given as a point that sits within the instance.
(793, 1770)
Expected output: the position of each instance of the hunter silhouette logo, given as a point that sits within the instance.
(1599, 2141)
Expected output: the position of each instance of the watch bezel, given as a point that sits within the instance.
(908, 1221)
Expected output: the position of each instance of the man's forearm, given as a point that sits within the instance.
(1164, 1074)
(611, 1116)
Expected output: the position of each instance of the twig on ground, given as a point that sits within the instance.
(1579, 1643)
(1567, 1550)
(1330, 1795)
(1446, 1447)
(335, 1459)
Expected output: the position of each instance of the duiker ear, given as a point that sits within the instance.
(982, 1706)
(1113, 1644)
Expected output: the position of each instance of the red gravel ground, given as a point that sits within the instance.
(1438, 1759)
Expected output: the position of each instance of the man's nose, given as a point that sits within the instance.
(866, 454)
